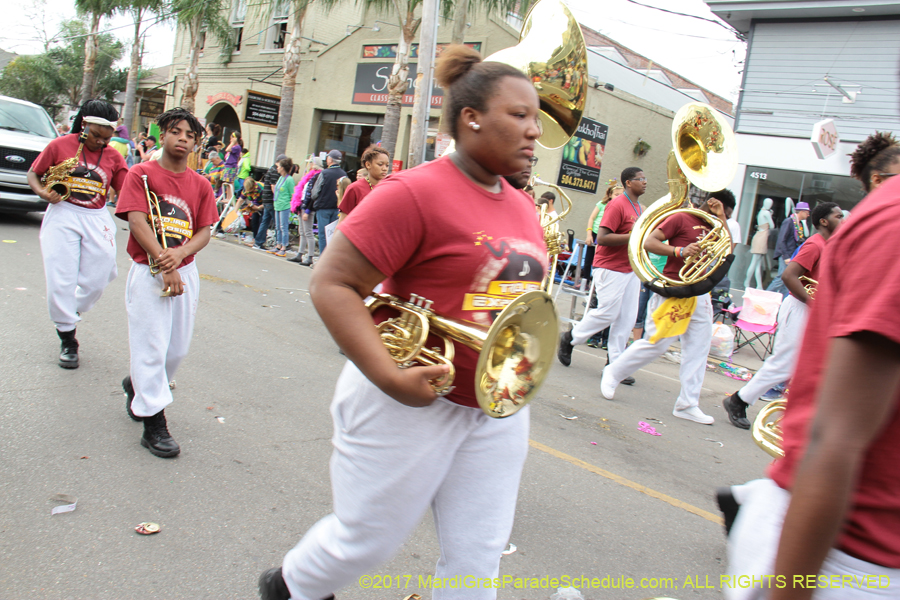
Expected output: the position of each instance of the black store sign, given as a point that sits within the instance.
(583, 157)
(262, 109)
(371, 86)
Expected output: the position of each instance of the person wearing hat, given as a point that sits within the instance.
(324, 194)
(268, 202)
(793, 232)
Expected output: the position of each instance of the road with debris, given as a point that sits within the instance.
(599, 499)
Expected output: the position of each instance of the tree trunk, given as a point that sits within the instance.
(90, 58)
(191, 84)
(291, 64)
(131, 85)
(398, 83)
(460, 14)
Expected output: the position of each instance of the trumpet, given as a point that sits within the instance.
(809, 285)
(553, 237)
(156, 222)
(57, 177)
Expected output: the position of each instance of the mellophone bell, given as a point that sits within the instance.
(516, 352)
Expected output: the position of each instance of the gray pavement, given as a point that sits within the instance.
(598, 497)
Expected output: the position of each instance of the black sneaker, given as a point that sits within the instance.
(737, 411)
(129, 398)
(627, 381)
(68, 349)
(156, 437)
(272, 585)
(564, 353)
(729, 507)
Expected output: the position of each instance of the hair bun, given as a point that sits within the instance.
(454, 62)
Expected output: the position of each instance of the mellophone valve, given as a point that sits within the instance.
(156, 223)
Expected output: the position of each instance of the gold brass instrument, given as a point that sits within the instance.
(156, 223)
(766, 428)
(809, 285)
(704, 155)
(514, 354)
(57, 177)
(553, 237)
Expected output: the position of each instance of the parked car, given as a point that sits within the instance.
(25, 130)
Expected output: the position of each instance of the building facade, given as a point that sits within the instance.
(807, 63)
(342, 89)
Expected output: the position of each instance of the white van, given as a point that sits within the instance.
(25, 130)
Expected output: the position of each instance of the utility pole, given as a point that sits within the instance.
(424, 82)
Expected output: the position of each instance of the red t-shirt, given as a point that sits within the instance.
(681, 229)
(90, 182)
(809, 255)
(619, 217)
(859, 282)
(353, 195)
(434, 233)
(185, 199)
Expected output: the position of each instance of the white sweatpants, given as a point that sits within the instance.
(617, 308)
(753, 545)
(390, 463)
(159, 334)
(694, 351)
(79, 249)
(780, 365)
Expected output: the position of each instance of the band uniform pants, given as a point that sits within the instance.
(390, 463)
(159, 334)
(617, 307)
(753, 544)
(78, 246)
(779, 367)
(694, 351)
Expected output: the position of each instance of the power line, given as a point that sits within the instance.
(728, 28)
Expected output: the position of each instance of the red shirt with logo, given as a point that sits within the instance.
(353, 195)
(433, 232)
(809, 254)
(95, 173)
(859, 283)
(186, 202)
(681, 229)
(619, 217)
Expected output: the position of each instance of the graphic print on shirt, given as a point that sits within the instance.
(511, 267)
(177, 221)
(87, 186)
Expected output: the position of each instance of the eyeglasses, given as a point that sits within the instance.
(886, 175)
(642, 179)
(533, 160)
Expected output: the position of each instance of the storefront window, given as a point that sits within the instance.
(351, 139)
(779, 185)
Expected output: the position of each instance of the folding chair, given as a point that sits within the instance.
(756, 321)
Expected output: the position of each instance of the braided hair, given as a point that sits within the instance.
(94, 108)
(176, 115)
(875, 155)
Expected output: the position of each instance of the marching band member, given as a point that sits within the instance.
(682, 231)
(78, 236)
(160, 328)
(827, 217)
(615, 284)
(456, 233)
(831, 510)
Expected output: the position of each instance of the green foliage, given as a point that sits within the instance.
(212, 17)
(54, 77)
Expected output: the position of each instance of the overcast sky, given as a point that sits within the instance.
(707, 54)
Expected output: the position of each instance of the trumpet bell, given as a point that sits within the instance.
(552, 52)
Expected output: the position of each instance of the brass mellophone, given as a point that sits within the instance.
(156, 223)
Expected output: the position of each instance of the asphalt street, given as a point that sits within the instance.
(598, 499)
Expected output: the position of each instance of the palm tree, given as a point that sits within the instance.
(138, 9)
(201, 19)
(96, 9)
(290, 65)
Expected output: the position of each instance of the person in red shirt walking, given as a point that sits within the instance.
(615, 284)
(455, 232)
(827, 217)
(831, 508)
(160, 328)
(377, 162)
(78, 236)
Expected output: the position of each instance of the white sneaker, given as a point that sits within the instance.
(693, 414)
(607, 384)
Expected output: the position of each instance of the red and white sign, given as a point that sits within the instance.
(825, 138)
(227, 97)
(441, 143)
